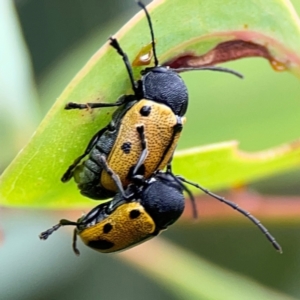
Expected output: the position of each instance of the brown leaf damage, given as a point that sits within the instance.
(223, 52)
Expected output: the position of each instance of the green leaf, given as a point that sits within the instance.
(246, 28)
(224, 165)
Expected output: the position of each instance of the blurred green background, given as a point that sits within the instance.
(261, 111)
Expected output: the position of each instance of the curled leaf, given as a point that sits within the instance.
(208, 34)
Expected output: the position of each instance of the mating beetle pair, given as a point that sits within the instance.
(139, 213)
(130, 153)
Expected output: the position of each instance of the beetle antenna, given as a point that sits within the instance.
(233, 205)
(209, 68)
(179, 181)
(142, 5)
(191, 196)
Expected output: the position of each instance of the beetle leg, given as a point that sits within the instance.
(45, 234)
(144, 154)
(113, 175)
(74, 243)
(92, 105)
(176, 129)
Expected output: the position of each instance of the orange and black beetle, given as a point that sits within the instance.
(154, 113)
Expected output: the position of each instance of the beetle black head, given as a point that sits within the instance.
(162, 84)
(161, 196)
(163, 199)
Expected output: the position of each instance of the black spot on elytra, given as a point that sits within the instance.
(107, 228)
(126, 147)
(101, 244)
(134, 214)
(145, 111)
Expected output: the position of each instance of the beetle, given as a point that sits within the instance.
(133, 216)
(154, 113)
(139, 213)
